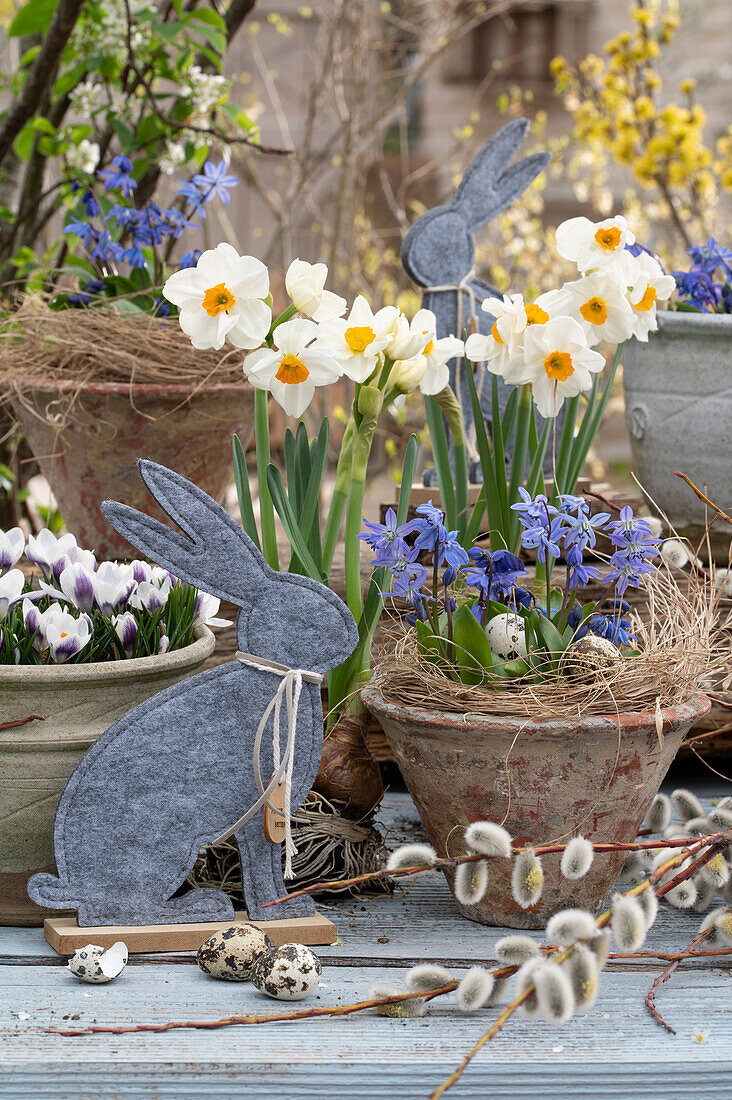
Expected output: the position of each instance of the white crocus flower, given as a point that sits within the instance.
(305, 283)
(593, 244)
(599, 303)
(125, 627)
(406, 342)
(647, 284)
(12, 545)
(294, 366)
(113, 586)
(77, 584)
(47, 551)
(558, 363)
(64, 635)
(207, 607)
(357, 341)
(11, 588)
(222, 298)
(150, 596)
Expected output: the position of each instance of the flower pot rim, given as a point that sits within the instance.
(110, 671)
(675, 320)
(126, 389)
(696, 706)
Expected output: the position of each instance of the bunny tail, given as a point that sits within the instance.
(50, 891)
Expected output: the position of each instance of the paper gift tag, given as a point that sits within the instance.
(274, 823)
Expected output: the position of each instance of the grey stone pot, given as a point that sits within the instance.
(78, 703)
(678, 406)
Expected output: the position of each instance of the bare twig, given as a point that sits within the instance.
(21, 722)
(664, 977)
(702, 497)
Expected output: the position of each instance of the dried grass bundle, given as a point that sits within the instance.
(684, 647)
(81, 347)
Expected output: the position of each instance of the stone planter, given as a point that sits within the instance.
(678, 405)
(544, 780)
(77, 703)
(105, 427)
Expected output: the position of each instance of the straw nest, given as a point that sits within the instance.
(80, 347)
(684, 644)
(330, 848)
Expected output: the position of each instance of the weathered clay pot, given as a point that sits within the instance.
(77, 703)
(544, 780)
(679, 413)
(107, 426)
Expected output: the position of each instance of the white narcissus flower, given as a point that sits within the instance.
(406, 340)
(294, 366)
(599, 303)
(407, 374)
(65, 635)
(357, 341)
(305, 284)
(647, 285)
(12, 545)
(11, 588)
(436, 352)
(593, 244)
(558, 363)
(222, 298)
(502, 346)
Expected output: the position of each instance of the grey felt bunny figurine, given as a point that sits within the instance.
(176, 773)
(439, 249)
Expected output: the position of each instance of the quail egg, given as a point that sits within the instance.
(229, 953)
(93, 964)
(590, 656)
(506, 636)
(288, 973)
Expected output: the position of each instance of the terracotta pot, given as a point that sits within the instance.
(107, 426)
(78, 703)
(543, 780)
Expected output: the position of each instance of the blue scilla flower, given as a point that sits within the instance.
(381, 535)
(581, 530)
(193, 197)
(612, 627)
(124, 217)
(495, 574)
(162, 308)
(190, 259)
(449, 551)
(90, 204)
(543, 537)
(177, 223)
(214, 183)
(429, 527)
(580, 574)
(119, 178)
(106, 250)
(573, 506)
(408, 587)
(85, 231)
(533, 510)
(134, 256)
(710, 256)
(626, 571)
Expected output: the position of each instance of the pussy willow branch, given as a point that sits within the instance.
(453, 861)
(603, 920)
(703, 498)
(21, 722)
(650, 1001)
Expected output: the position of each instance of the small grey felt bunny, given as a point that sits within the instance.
(176, 773)
(439, 249)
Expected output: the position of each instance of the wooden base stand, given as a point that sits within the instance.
(65, 936)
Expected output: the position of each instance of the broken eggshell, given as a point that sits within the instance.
(93, 964)
(287, 973)
(229, 953)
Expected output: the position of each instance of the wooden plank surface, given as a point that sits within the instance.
(614, 1050)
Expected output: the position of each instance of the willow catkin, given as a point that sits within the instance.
(570, 925)
(474, 989)
(525, 979)
(659, 813)
(698, 826)
(583, 971)
(716, 871)
(599, 945)
(499, 991)
(721, 818)
(488, 839)
(527, 878)
(410, 855)
(409, 1009)
(649, 904)
(516, 950)
(705, 892)
(427, 976)
(682, 896)
(687, 804)
(553, 992)
(577, 858)
(471, 882)
(628, 923)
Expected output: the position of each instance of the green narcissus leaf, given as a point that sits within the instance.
(473, 653)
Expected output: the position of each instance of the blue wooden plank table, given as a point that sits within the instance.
(613, 1051)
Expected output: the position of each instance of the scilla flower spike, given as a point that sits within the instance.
(474, 989)
(569, 926)
(687, 805)
(659, 815)
(411, 855)
(577, 858)
(554, 993)
(516, 950)
(583, 972)
(488, 838)
(628, 923)
(471, 882)
(426, 977)
(527, 880)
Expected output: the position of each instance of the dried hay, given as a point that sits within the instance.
(684, 648)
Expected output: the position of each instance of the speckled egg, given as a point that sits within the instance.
(588, 657)
(288, 973)
(229, 953)
(95, 965)
(506, 636)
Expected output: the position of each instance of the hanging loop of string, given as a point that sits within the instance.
(289, 689)
(464, 287)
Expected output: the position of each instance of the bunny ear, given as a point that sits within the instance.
(214, 554)
(488, 186)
